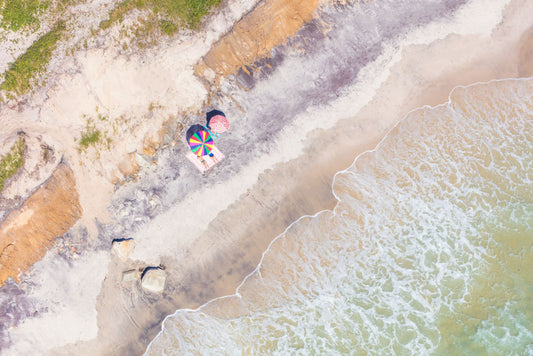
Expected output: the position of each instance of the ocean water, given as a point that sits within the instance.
(429, 250)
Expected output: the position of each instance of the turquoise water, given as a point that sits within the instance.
(429, 250)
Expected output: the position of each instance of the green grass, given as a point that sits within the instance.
(90, 137)
(17, 14)
(168, 27)
(12, 162)
(19, 76)
(117, 14)
(170, 14)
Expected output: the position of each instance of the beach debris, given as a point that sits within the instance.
(153, 279)
(123, 248)
(130, 275)
(124, 212)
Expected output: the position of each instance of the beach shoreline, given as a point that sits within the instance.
(432, 92)
(216, 263)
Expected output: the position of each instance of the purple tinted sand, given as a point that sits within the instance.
(14, 307)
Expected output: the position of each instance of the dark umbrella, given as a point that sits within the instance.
(212, 114)
(192, 130)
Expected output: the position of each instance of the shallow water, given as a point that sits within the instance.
(428, 251)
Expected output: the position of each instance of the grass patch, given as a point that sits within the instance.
(197, 9)
(117, 14)
(91, 136)
(170, 14)
(19, 76)
(11, 162)
(168, 27)
(17, 14)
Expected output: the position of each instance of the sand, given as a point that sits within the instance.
(220, 251)
(251, 39)
(30, 230)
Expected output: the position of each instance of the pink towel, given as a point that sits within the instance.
(210, 161)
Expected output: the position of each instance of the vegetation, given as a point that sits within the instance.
(91, 136)
(12, 162)
(168, 27)
(170, 14)
(117, 14)
(19, 76)
(17, 14)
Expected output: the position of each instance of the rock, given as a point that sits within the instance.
(129, 166)
(154, 201)
(123, 248)
(143, 160)
(124, 212)
(153, 279)
(149, 150)
(130, 276)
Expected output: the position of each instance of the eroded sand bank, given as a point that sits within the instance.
(29, 231)
(268, 25)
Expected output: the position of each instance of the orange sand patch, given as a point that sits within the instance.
(268, 25)
(29, 231)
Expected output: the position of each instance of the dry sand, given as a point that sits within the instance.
(227, 250)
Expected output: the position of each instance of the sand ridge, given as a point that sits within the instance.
(268, 25)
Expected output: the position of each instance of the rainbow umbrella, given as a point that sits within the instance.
(201, 143)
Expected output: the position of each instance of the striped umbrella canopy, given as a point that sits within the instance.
(201, 143)
(219, 124)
